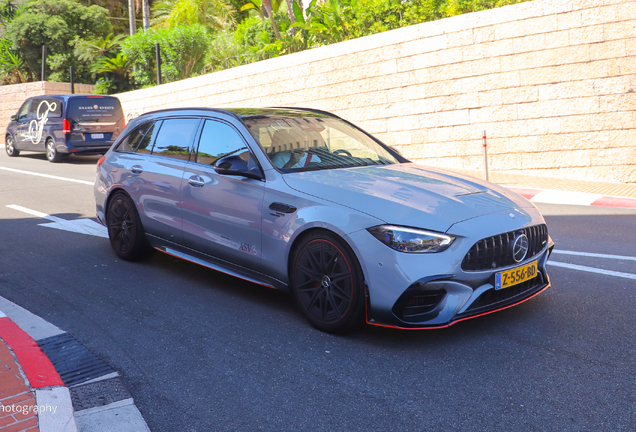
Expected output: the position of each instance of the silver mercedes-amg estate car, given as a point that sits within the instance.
(304, 201)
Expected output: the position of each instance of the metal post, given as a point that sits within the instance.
(485, 158)
(43, 61)
(72, 85)
(158, 64)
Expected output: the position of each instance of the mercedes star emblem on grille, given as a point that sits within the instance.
(520, 248)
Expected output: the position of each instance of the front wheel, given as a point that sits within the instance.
(125, 232)
(328, 283)
(10, 146)
(51, 152)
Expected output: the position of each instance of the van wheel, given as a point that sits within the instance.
(51, 152)
(10, 146)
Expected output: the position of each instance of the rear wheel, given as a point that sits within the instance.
(51, 152)
(328, 283)
(10, 146)
(125, 232)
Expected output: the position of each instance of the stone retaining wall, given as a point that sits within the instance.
(551, 81)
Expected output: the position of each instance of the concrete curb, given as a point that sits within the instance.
(21, 330)
(549, 196)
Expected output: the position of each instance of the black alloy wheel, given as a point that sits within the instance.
(125, 232)
(328, 283)
(51, 152)
(10, 146)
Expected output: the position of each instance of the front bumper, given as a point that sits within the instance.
(421, 291)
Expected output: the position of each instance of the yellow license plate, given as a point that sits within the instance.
(515, 276)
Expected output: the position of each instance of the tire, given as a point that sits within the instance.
(126, 234)
(10, 146)
(51, 152)
(328, 284)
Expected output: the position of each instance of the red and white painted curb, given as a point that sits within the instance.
(42, 377)
(549, 196)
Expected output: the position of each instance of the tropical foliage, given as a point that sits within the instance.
(183, 50)
(195, 36)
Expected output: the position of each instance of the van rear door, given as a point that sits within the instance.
(95, 121)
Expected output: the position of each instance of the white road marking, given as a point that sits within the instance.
(592, 270)
(82, 226)
(564, 197)
(47, 176)
(595, 255)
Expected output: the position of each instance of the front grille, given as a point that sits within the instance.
(496, 251)
(491, 297)
(416, 305)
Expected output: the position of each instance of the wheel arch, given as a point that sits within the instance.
(317, 230)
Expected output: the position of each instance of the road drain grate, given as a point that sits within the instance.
(73, 362)
(98, 394)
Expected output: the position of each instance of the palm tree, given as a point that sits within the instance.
(214, 14)
(89, 50)
(265, 8)
(11, 65)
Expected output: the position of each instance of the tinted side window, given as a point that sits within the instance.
(218, 140)
(145, 145)
(132, 140)
(23, 111)
(174, 138)
(40, 108)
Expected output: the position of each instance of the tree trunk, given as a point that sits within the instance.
(131, 17)
(267, 5)
(146, 10)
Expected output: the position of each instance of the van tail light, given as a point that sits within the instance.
(66, 126)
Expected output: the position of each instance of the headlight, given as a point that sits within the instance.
(411, 240)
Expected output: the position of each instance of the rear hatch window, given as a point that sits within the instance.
(90, 110)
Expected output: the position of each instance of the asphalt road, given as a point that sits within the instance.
(200, 351)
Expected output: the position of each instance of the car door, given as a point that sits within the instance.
(22, 126)
(154, 173)
(222, 213)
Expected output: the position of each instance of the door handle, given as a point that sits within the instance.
(196, 181)
(136, 169)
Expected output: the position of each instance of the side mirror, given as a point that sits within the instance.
(14, 117)
(235, 165)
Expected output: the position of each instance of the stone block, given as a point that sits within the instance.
(474, 52)
(424, 45)
(566, 90)
(460, 38)
(600, 15)
(514, 95)
(619, 30)
(618, 102)
(499, 48)
(577, 123)
(587, 35)
(610, 49)
(542, 24)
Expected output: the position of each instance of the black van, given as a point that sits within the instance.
(65, 124)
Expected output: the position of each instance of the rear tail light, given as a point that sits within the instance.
(101, 160)
(123, 124)
(66, 126)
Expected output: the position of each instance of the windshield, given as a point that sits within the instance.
(94, 109)
(305, 141)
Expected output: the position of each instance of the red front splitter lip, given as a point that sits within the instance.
(436, 327)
